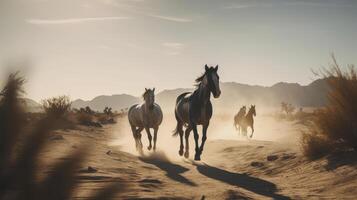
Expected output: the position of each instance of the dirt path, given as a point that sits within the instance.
(229, 170)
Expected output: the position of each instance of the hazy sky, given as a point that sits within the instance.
(85, 48)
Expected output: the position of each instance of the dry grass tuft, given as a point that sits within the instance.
(334, 127)
(21, 148)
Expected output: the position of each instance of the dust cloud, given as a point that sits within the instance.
(221, 127)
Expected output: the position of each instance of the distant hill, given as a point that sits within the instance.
(116, 102)
(233, 95)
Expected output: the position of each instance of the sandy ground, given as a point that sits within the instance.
(269, 166)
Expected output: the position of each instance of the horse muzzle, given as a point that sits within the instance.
(216, 94)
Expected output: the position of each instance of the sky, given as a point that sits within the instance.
(86, 48)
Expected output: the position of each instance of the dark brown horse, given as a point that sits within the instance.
(195, 108)
(238, 119)
(248, 121)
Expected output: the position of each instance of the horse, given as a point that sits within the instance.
(248, 121)
(195, 108)
(238, 118)
(145, 116)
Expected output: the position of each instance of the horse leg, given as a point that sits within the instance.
(187, 135)
(196, 136)
(140, 144)
(133, 129)
(179, 130)
(155, 137)
(147, 129)
(252, 131)
(204, 137)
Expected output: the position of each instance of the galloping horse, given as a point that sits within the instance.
(195, 108)
(238, 119)
(145, 116)
(248, 121)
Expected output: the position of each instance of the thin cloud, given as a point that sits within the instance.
(173, 19)
(73, 20)
(243, 6)
(261, 4)
(317, 4)
(173, 48)
(145, 11)
(174, 45)
(173, 53)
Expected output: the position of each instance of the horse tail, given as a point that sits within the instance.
(130, 112)
(234, 121)
(178, 129)
(179, 125)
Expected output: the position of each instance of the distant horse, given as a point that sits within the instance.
(248, 120)
(238, 119)
(145, 116)
(195, 108)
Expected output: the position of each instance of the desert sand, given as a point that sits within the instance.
(268, 166)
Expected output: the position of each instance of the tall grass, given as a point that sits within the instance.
(334, 127)
(20, 150)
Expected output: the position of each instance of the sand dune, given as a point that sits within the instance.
(231, 168)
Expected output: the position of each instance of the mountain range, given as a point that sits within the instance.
(233, 95)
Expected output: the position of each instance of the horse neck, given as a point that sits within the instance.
(204, 94)
(146, 106)
(250, 114)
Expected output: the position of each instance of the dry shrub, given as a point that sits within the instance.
(20, 151)
(336, 124)
(84, 118)
(57, 106)
(105, 119)
(315, 145)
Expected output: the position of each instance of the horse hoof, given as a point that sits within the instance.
(154, 148)
(197, 157)
(187, 154)
(149, 148)
(181, 152)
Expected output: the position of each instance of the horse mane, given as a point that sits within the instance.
(250, 110)
(143, 95)
(199, 79)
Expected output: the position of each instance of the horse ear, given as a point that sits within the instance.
(146, 89)
(216, 68)
(153, 89)
(206, 67)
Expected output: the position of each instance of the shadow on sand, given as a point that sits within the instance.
(173, 171)
(253, 184)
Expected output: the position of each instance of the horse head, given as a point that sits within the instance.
(211, 79)
(252, 109)
(149, 97)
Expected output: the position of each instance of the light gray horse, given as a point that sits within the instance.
(145, 116)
